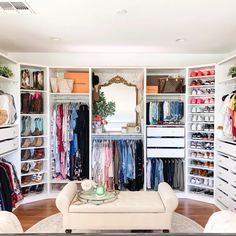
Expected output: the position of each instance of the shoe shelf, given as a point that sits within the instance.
(201, 167)
(34, 172)
(8, 125)
(201, 104)
(30, 160)
(201, 159)
(165, 94)
(32, 91)
(201, 177)
(199, 140)
(34, 147)
(33, 114)
(202, 122)
(63, 181)
(32, 184)
(30, 136)
(201, 131)
(69, 94)
(202, 77)
(203, 95)
(201, 113)
(202, 86)
(201, 186)
(201, 194)
(200, 150)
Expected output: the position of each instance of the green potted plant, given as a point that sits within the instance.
(232, 71)
(101, 110)
(5, 72)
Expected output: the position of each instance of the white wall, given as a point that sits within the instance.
(117, 59)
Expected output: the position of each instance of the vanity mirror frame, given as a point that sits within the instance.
(120, 80)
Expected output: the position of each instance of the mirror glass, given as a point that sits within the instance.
(124, 97)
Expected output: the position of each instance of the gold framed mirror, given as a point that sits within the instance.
(125, 96)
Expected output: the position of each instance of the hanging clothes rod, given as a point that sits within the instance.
(117, 136)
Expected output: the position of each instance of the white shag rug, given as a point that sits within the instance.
(53, 224)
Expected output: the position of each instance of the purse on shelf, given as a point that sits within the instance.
(171, 85)
(61, 85)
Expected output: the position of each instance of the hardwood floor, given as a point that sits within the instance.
(29, 214)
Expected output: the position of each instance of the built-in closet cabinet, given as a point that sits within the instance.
(165, 126)
(225, 177)
(201, 130)
(34, 135)
(9, 131)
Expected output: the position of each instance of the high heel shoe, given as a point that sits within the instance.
(38, 154)
(25, 155)
(25, 190)
(25, 179)
(26, 143)
(38, 166)
(33, 188)
(25, 168)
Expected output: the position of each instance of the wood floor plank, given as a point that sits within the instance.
(31, 213)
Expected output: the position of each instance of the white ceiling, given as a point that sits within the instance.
(209, 26)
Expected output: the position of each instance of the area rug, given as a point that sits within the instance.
(53, 224)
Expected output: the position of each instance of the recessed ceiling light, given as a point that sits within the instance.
(55, 38)
(180, 40)
(121, 12)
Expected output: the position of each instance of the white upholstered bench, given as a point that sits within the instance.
(142, 210)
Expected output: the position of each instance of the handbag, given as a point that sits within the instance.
(54, 84)
(171, 85)
(65, 85)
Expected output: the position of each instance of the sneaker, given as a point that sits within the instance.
(194, 110)
(198, 136)
(194, 118)
(194, 92)
(207, 146)
(206, 109)
(212, 109)
(211, 146)
(199, 127)
(206, 182)
(194, 136)
(193, 100)
(199, 118)
(206, 118)
(199, 145)
(211, 118)
(193, 144)
(194, 127)
(193, 180)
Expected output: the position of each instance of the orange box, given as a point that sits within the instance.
(151, 89)
(81, 81)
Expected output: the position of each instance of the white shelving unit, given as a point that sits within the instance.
(56, 184)
(33, 121)
(196, 164)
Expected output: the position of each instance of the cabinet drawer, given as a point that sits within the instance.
(232, 165)
(9, 145)
(222, 173)
(167, 132)
(222, 198)
(165, 142)
(232, 192)
(8, 133)
(232, 179)
(222, 160)
(157, 152)
(232, 205)
(222, 185)
(226, 148)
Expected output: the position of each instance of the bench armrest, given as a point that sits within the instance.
(65, 197)
(168, 197)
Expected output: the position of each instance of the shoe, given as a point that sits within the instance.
(206, 182)
(25, 155)
(198, 136)
(38, 103)
(199, 145)
(38, 166)
(211, 137)
(25, 179)
(193, 145)
(38, 127)
(199, 110)
(194, 110)
(33, 188)
(211, 119)
(200, 92)
(212, 109)
(40, 188)
(193, 101)
(37, 142)
(38, 154)
(25, 103)
(193, 154)
(207, 146)
(25, 168)
(194, 127)
(25, 191)
(193, 83)
(211, 155)
(211, 164)
(200, 101)
(199, 155)
(206, 109)
(207, 127)
(194, 92)
(199, 181)
(212, 100)
(206, 155)
(211, 183)
(194, 135)
(211, 128)
(25, 143)
(199, 118)
(207, 119)
(194, 118)
(27, 127)
(199, 127)
(193, 181)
